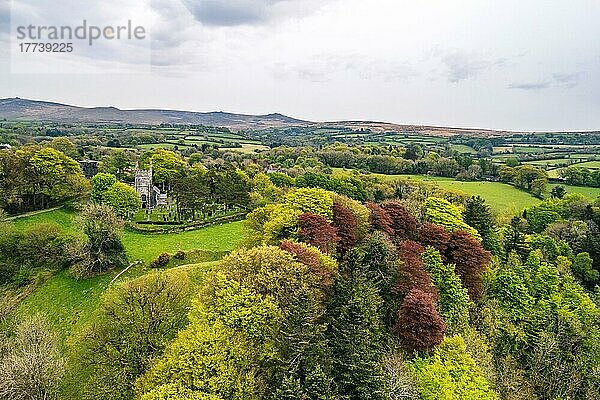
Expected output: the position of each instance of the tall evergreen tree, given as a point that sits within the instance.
(479, 216)
(356, 337)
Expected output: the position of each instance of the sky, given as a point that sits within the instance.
(500, 64)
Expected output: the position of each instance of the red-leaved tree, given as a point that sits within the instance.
(403, 223)
(310, 257)
(435, 236)
(316, 230)
(379, 220)
(345, 224)
(470, 259)
(411, 271)
(419, 326)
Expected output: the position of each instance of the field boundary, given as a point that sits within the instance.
(190, 227)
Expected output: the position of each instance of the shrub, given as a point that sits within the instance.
(161, 261)
(103, 249)
(180, 255)
(31, 366)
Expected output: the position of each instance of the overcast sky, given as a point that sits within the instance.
(508, 64)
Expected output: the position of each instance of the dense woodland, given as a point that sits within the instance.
(348, 285)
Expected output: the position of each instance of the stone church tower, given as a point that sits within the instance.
(149, 194)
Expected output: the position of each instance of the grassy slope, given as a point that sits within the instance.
(501, 197)
(70, 303)
(504, 199)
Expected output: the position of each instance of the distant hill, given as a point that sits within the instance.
(34, 110)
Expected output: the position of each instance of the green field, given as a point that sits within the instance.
(147, 247)
(501, 197)
(504, 199)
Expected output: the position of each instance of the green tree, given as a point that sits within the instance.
(230, 336)
(356, 335)
(452, 374)
(102, 249)
(558, 192)
(135, 323)
(123, 199)
(65, 146)
(101, 182)
(454, 298)
(478, 215)
(442, 212)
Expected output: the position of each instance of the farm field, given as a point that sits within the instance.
(502, 198)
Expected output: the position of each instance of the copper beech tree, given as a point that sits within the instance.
(419, 324)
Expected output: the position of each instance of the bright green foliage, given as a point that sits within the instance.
(65, 146)
(135, 323)
(311, 200)
(273, 223)
(123, 199)
(34, 177)
(269, 271)
(263, 190)
(101, 183)
(454, 299)
(451, 374)
(446, 214)
(508, 285)
(583, 270)
(221, 350)
(165, 164)
(174, 392)
(546, 244)
(554, 329)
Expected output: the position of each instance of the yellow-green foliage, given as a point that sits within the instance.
(174, 392)
(311, 200)
(263, 190)
(360, 212)
(269, 271)
(217, 355)
(446, 214)
(272, 223)
(451, 374)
